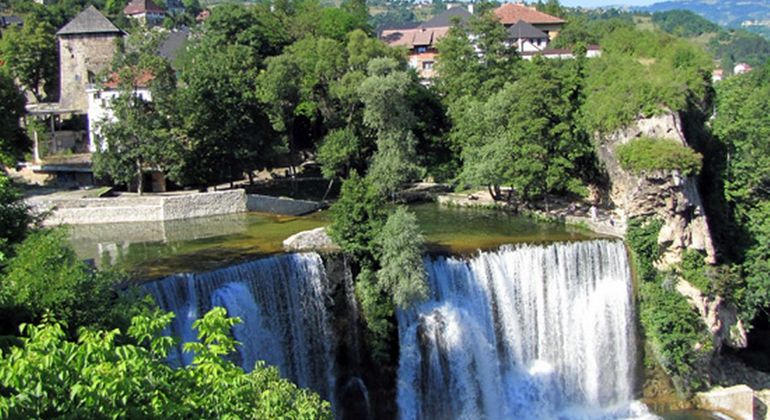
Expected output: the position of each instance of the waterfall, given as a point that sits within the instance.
(522, 332)
(282, 302)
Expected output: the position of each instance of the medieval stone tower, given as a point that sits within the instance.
(87, 45)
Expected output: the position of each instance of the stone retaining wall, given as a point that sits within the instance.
(280, 205)
(153, 208)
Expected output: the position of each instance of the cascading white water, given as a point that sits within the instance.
(524, 332)
(282, 302)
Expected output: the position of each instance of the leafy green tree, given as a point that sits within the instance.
(743, 126)
(14, 218)
(387, 110)
(96, 377)
(339, 150)
(14, 143)
(136, 139)
(46, 276)
(402, 274)
(526, 136)
(30, 56)
(254, 27)
(221, 127)
(357, 218)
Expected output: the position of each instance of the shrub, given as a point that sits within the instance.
(648, 154)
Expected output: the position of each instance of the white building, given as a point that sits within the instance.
(100, 107)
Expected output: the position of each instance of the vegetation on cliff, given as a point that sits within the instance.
(647, 155)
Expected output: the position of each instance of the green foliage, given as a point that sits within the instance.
(684, 23)
(136, 140)
(378, 311)
(643, 240)
(46, 276)
(677, 335)
(674, 329)
(525, 136)
(338, 150)
(95, 377)
(357, 217)
(743, 126)
(14, 219)
(387, 110)
(30, 56)
(648, 154)
(694, 270)
(14, 143)
(642, 73)
(400, 246)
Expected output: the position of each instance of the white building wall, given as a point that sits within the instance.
(100, 110)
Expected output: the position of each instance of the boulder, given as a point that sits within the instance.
(735, 401)
(310, 240)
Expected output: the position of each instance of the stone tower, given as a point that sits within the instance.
(87, 45)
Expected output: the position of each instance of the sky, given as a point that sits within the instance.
(595, 3)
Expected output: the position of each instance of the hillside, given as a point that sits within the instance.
(753, 15)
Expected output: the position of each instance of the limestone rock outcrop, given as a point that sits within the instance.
(719, 315)
(310, 240)
(666, 195)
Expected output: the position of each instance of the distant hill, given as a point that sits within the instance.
(753, 15)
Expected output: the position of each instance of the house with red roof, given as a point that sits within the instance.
(511, 14)
(145, 11)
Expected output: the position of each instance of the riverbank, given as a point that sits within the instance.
(574, 213)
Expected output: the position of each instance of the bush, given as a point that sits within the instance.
(648, 154)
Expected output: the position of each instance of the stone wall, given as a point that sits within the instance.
(139, 209)
(80, 55)
(280, 205)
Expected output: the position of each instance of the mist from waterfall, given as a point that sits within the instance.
(526, 331)
(282, 302)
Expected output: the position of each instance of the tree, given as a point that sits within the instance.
(402, 274)
(46, 276)
(526, 136)
(387, 110)
(30, 56)
(357, 217)
(136, 139)
(14, 143)
(96, 377)
(221, 126)
(14, 219)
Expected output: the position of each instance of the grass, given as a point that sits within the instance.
(648, 154)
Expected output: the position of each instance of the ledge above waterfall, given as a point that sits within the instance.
(310, 240)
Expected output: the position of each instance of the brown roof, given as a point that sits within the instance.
(136, 7)
(511, 13)
(89, 21)
(141, 80)
(411, 38)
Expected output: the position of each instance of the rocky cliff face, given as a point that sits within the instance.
(662, 194)
(675, 200)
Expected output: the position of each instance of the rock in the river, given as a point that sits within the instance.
(736, 401)
(310, 240)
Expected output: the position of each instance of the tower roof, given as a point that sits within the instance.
(136, 7)
(89, 21)
(513, 12)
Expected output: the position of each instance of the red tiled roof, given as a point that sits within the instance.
(141, 80)
(412, 38)
(511, 13)
(142, 6)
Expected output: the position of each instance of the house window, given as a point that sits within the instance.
(422, 49)
(427, 65)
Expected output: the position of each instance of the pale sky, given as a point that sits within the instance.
(594, 3)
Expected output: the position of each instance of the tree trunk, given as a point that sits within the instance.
(328, 189)
(140, 180)
(251, 177)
